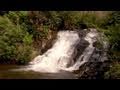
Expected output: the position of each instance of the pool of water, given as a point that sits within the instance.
(7, 72)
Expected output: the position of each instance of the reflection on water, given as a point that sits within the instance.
(7, 73)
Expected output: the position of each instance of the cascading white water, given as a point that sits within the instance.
(87, 53)
(60, 55)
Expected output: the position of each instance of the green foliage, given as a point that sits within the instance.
(23, 54)
(114, 37)
(11, 37)
(111, 29)
(114, 72)
(27, 40)
(88, 18)
(111, 20)
(79, 19)
(63, 19)
(53, 19)
(112, 32)
(17, 17)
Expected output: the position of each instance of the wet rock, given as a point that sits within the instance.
(98, 63)
(80, 48)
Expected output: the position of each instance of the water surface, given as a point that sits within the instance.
(7, 72)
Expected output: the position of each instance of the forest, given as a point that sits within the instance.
(27, 34)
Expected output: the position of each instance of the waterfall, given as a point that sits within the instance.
(91, 37)
(60, 56)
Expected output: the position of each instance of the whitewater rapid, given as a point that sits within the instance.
(60, 56)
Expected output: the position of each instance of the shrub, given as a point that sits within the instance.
(15, 42)
(80, 19)
(112, 32)
(114, 71)
(23, 54)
